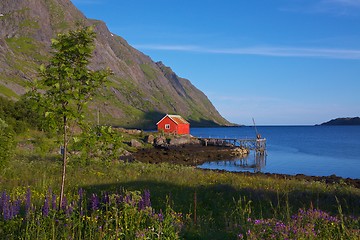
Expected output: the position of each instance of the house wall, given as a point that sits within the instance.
(183, 129)
(174, 128)
(167, 120)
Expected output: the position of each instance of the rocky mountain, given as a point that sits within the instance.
(342, 121)
(140, 91)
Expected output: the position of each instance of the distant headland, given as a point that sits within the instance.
(341, 121)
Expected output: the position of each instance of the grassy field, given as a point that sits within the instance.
(209, 205)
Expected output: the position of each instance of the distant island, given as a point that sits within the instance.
(342, 121)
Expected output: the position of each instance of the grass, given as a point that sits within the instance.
(22, 45)
(7, 92)
(214, 205)
(148, 71)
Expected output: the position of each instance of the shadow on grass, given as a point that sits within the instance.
(217, 206)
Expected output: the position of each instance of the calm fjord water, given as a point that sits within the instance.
(309, 150)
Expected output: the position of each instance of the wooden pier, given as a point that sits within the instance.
(256, 144)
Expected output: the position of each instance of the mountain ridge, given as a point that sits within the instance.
(139, 93)
(342, 121)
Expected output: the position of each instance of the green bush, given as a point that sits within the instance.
(98, 143)
(21, 115)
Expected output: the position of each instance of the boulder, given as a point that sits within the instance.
(135, 143)
(179, 141)
(150, 139)
(160, 142)
(126, 156)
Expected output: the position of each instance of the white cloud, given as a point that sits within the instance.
(262, 51)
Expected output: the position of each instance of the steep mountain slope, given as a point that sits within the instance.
(139, 93)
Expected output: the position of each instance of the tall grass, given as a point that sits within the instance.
(227, 204)
(126, 215)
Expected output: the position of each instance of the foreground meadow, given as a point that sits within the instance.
(117, 200)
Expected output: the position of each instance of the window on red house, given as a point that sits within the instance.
(167, 126)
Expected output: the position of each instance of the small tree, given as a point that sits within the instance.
(69, 84)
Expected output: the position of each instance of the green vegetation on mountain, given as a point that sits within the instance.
(139, 93)
(342, 121)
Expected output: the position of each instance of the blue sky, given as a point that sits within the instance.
(282, 62)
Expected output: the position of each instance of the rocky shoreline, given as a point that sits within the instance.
(196, 154)
(191, 155)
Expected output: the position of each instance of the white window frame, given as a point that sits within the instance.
(167, 126)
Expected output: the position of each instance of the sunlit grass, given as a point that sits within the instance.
(217, 210)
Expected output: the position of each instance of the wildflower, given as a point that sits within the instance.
(45, 208)
(105, 199)
(257, 222)
(81, 193)
(128, 199)
(141, 204)
(64, 204)
(119, 199)
(94, 202)
(146, 198)
(161, 216)
(53, 201)
(70, 209)
(2, 198)
(6, 206)
(16, 208)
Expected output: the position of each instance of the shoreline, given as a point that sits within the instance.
(194, 155)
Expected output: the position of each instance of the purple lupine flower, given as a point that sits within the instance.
(46, 207)
(6, 206)
(81, 198)
(146, 198)
(10, 209)
(70, 209)
(119, 199)
(2, 197)
(94, 202)
(161, 216)
(81, 193)
(105, 199)
(53, 201)
(141, 204)
(16, 207)
(64, 204)
(128, 199)
(2, 201)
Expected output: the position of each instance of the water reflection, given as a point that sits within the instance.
(252, 163)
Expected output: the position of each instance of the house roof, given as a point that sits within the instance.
(176, 118)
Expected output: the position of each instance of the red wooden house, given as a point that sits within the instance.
(173, 124)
